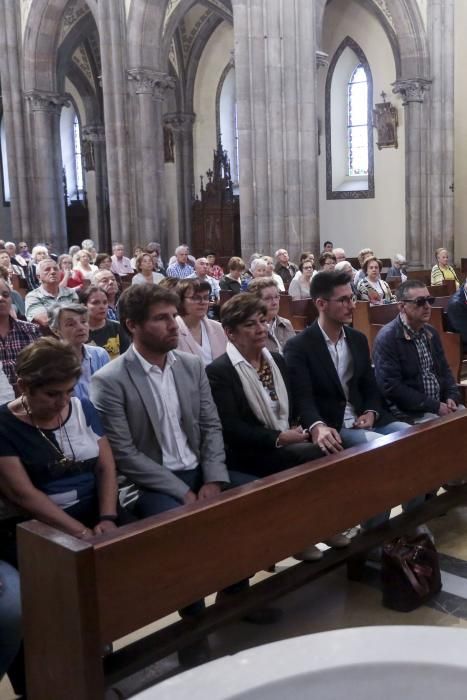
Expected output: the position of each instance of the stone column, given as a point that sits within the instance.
(48, 199)
(150, 90)
(441, 141)
(14, 121)
(276, 93)
(412, 91)
(111, 20)
(181, 124)
(94, 134)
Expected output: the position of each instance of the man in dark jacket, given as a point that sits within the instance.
(457, 313)
(332, 380)
(411, 368)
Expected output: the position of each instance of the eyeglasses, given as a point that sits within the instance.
(5, 294)
(420, 301)
(198, 299)
(344, 300)
(307, 268)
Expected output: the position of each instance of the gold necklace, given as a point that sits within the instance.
(64, 460)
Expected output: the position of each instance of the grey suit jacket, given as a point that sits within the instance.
(121, 394)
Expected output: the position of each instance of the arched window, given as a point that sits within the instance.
(4, 164)
(70, 137)
(357, 123)
(349, 137)
(227, 126)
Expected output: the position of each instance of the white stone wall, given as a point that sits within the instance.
(379, 222)
(460, 131)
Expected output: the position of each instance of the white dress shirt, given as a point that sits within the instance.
(342, 360)
(177, 455)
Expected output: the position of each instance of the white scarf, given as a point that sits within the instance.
(254, 390)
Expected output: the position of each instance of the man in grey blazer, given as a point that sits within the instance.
(157, 409)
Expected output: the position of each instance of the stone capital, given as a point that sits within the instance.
(47, 101)
(151, 82)
(179, 121)
(93, 132)
(322, 59)
(411, 89)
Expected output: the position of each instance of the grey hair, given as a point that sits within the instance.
(87, 244)
(43, 262)
(39, 249)
(180, 248)
(340, 267)
(54, 313)
(279, 252)
(399, 258)
(256, 262)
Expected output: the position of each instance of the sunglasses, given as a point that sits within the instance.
(420, 301)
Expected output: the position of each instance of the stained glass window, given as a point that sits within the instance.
(357, 123)
(78, 157)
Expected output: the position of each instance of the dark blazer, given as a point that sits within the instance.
(316, 388)
(398, 370)
(457, 313)
(245, 437)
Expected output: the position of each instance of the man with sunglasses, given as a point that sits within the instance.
(411, 369)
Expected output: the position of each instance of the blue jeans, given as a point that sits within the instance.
(355, 436)
(10, 615)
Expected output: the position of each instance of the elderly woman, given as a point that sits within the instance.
(279, 329)
(372, 288)
(327, 262)
(103, 332)
(270, 272)
(103, 261)
(251, 389)
(38, 253)
(70, 323)
(345, 266)
(442, 270)
(145, 271)
(232, 281)
(70, 277)
(198, 334)
(258, 268)
(299, 287)
(55, 464)
(82, 262)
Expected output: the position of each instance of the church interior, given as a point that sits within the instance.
(243, 127)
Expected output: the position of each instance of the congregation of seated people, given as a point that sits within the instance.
(117, 363)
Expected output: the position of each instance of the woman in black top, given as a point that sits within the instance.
(103, 332)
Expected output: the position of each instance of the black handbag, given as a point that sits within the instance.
(410, 572)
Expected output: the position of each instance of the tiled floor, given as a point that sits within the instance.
(333, 602)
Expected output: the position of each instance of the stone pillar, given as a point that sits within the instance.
(14, 121)
(94, 135)
(276, 99)
(150, 90)
(111, 21)
(48, 199)
(441, 141)
(181, 124)
(412, 92)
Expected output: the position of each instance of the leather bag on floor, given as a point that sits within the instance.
(410, 572)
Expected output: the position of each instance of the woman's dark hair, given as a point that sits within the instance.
(323, 284)
(84, 294)
(240, 308)
(100, 257)
(47, 361)
(136, 301)
(305, 255)
(236, 263)
(306, 260)
(369, 260)
(326, 256)
(190, 285)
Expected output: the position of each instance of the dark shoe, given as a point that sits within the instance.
(193, 610)
(195, 654)
(310, 553)
(338, 541)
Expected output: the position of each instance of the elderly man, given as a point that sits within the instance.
(201, 273)
(410, 365)
(48, 293)
(398, 268)
(10, 248)
(120, 264)
(105, 279)
(180, 268)
(14, 335)
(284, 268)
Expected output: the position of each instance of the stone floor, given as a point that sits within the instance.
(332, 602)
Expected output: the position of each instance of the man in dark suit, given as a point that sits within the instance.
(457, 313)
(332, 379)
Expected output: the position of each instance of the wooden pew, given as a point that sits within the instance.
(285, 306)
(304, 312)
(422, 275)
(440, 290)
(80, 596)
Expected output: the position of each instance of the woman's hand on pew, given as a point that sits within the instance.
(210, 490)
(328, 439)
(190, 497)
(293, 436)
(104, 526)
